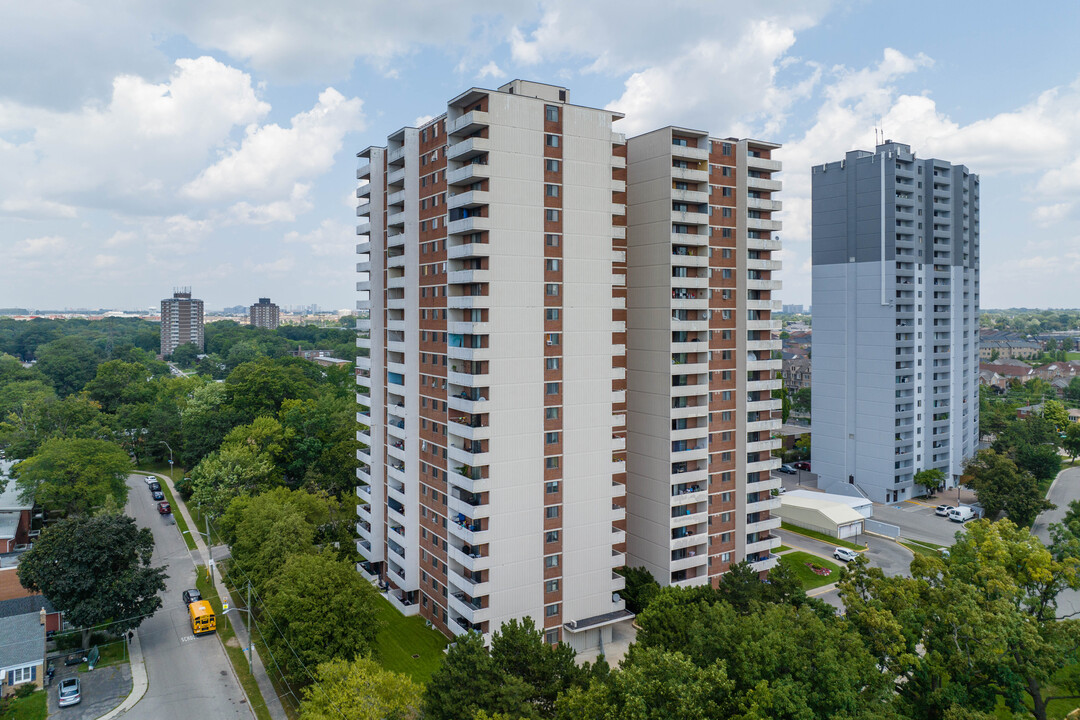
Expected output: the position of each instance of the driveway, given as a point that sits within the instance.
(917, 521)
(102, 690)
(189, 677)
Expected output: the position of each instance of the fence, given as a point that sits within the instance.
(879, 528)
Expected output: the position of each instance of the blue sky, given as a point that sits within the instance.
(146, 145)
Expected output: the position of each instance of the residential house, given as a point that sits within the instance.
(796, 374)
(15, 519)
(33, 604)
(22, 651)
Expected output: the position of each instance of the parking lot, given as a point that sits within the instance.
(102, 690)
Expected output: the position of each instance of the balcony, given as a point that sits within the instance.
(763, 284)
(689, 152)
(468, 609)
(395, 155)
(763, 244)
(468, 149)
(763, 164)
(763, 525)
(476, 589)
(457, 505)
(763, 224)
(468, 478)
(698, 559)
(690, 196)
(758, 264)
(762, 505)
(767, 564)
(467, 225)
(395, 178)
(697, 176)
(467, 175)
(402, 606)
(761, 204)
(470, 561)
(468, 123)
(754, 183)
(364, 171)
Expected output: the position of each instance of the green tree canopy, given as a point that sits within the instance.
(73, 475)
(261, 386)
(933, 479)
(118, 383)
(1001, 486)
(185, 355)
(360, 690)
(96, 570)
(69, 363)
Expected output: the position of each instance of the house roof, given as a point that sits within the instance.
(837, 513)
(9, 525)
(1008, 370)
(22, 641)
(9, 498)
(850, 501)
(25, 605)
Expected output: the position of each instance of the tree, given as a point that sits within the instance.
(234, 470)
(1071, 441)
(261, 386)
(205, 420)
(69, 363)
(323, 609)
(185, 355)
(96, 570)
(1042, 461)
(1001, 485)
(782, 395)
(994, 354)
(933, 479)
(1055, 414)
(639, 589)
(1072, 391)
(74, 475)
(518, 650)
(801, 400)
(360, 690)
(976, 629)
(469, 681)
(120, 383)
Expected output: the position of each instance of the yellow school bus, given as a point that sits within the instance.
(202, 617)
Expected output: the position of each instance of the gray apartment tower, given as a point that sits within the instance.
(896, 320)
(181, 321)
(264, 314)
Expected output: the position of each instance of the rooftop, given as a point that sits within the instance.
(22, 641)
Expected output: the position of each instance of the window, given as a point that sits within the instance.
(551, 215)
(725, 253)
(551, 438)
(551, 190)
(726, 212)
(551, 314)
(681, 142)
(725, 148)
(551, 265)
(551, 289)
(553, 338)
(726, 171)
(26, 674)
(726, 192)
(551, 113)
(552, 636)
(551, 488)
(551, 140)
(726, 273)
(551, 240)
(551, 610)
(551, 561)
(551, 165)
(551, 413)
(551, 388)
(551, 586)
(551, 463)
(551, 536)
(551, 512)
(551, 363)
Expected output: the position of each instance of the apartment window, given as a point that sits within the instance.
(551, 438)
(725, 497)
(551, 488)
(551, 512)
(551, 536)
(551, 113)
(551, 413)
(551, 610)
(726, 273)
(725, 232)
(725, 335)
(726, 148)
(551, 240)
(725, 557)
(551, 561)
(551, 215)
(552, 636)
(725, 253)
(551, 463)
(551, 388)
(551, 314)
(551, 586)
(726, 212)
(681, 142)
(551, 165)
(551, 140)
(551, 265)
(725, 517)
(551, 289)
(553, 338)
(551, 363)
(726, 171)
(551, 190)
(726, 191)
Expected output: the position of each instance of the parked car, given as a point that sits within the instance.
(943, 510)
(961, 514)
(788, 469)
(69, 693)
(148, 479)
(164, 508)
(844, 554)
(802, 465)
(158, 495)
(191, 596)
(154, 486)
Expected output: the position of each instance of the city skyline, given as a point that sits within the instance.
(170, 144)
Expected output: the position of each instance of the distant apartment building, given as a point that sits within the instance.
(793, 309)
(181, 322)
(263, 314)
(700, 372)
(896, 320)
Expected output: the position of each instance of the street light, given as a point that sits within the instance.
(162, 442)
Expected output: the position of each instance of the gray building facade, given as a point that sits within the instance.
(896, 330)
(181, 322)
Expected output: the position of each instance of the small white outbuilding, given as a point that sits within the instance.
(836, 519)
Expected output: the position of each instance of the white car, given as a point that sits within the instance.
(149, 479)
(844, 555)
(943, 510)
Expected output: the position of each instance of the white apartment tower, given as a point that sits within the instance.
(896, 320)
(493, 259)
(700, 367)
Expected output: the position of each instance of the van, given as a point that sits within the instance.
(961, 514)
(202, 617)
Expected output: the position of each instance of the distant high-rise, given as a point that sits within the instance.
(896, 320)
(264, 314)
(181, 321)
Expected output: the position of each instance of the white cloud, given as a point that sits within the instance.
(278, 267)
(271, 159)
(330, 238)
(491, 70)
(103, 262)
(1047, 215)
(422, 120)
(298, 203)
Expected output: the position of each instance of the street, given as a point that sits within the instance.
(190, 677)
(1065, 489)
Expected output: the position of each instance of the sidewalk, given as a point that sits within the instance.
(266, 688)
(139, 681)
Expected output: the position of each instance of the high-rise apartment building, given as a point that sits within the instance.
(493, 483)
(181, 321)
(896, 320)
(700, 367)
(264, 314)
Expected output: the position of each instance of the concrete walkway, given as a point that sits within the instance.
(139, 681)
(266, 688)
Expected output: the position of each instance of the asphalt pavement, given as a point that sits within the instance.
(190, 677)
(1065, 489)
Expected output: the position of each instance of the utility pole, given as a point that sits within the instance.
(251, 638)
(210, 551)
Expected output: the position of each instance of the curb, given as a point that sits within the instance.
(139, 681)
(811, 537)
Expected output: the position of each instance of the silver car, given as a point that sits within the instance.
(69, 693)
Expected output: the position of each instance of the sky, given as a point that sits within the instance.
(151, 144)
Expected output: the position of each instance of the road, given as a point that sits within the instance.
(189, 677)
(1064, 490)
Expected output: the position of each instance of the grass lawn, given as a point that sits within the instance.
(402, 637)
(34, 707)
(1072, 356)
(922, 547)
(781, 549)
(232, 646)
(822, 537)
(112, 653)
(810, 580)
